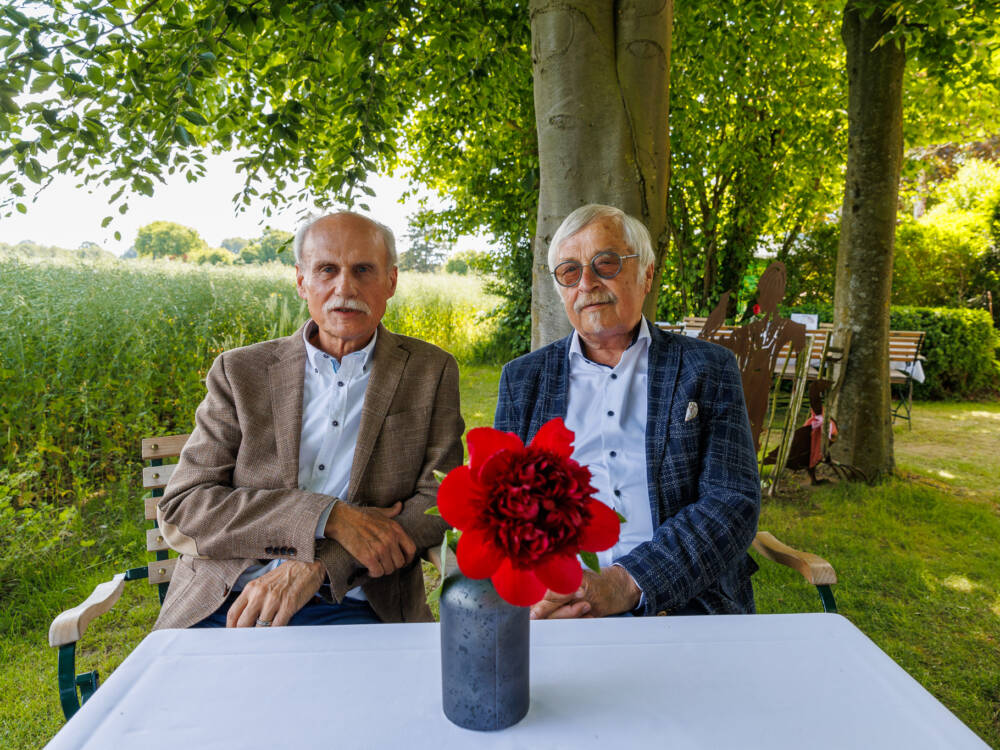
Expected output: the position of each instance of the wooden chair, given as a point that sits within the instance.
(904, 354)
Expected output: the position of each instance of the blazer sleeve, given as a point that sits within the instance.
(505, 417)
(203, 515)
(708, 537)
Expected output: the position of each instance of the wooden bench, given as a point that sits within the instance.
(70, 625)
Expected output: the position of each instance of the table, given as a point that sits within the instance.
(756, 681)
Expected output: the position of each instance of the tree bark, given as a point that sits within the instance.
(601, 82)
(867, 231)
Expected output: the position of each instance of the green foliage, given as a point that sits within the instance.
(26, 250)
(811, 262)
(425, 253)
(234, 244)
(951, 254)
(756, 135)
(213, 255)
(273, 245)
(960, 347)
(165, 239)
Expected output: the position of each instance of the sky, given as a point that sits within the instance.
(65, 215)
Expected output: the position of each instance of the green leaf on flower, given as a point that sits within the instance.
(439, 475)
(621, 518)
(434, 594)
(432, 511)
(590, 560)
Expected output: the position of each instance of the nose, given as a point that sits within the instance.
(588, 279)
(343, 284)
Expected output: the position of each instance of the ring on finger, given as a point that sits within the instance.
(263, 623)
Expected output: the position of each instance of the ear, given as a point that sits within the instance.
(647, 282)
(300, 278)
(393, 278)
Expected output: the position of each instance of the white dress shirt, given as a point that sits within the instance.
(606, 409)
(333, 396)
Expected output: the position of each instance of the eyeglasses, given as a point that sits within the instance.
(606, 264)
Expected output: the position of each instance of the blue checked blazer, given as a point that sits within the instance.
(704, 491)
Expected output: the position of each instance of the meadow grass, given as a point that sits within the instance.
(92, 358)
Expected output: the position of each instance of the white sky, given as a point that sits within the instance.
(65, 215)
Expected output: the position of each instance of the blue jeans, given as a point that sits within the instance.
(317, 611)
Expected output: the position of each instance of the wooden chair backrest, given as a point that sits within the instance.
(670, 327)
(820, 340)
(904, 346)
(154, 479)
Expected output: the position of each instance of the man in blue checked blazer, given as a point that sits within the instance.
(660, 420)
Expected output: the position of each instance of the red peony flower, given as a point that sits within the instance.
(525, 512)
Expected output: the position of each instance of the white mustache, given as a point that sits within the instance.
(594, 298)
(348, 303)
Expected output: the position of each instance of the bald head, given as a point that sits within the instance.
(348, 221)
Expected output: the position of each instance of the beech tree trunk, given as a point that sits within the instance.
(867, 231)
(601, 83)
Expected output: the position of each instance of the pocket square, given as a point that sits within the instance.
(692, 411)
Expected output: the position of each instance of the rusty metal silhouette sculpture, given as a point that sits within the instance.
(758, 344)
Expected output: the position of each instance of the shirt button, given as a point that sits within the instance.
(614, 376)
(340, 383)
(315, 369)
(618, 493)
(614, 453)
(611, 413)
(336, 423)
(322, 467)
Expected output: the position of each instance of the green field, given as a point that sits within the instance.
(94, 357)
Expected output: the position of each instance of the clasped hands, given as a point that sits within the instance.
(610, 592)
(368, 534)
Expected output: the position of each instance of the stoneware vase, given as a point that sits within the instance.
(484, 655)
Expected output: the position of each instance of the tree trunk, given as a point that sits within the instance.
(601, 82)
(867, 231)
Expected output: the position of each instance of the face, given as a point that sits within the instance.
(603, 310)
(345, 279)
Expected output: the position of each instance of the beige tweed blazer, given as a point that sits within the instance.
(234, 498)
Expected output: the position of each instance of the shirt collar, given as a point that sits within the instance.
(640, 343)
(320, 359)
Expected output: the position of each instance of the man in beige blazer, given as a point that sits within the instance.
(249, 507)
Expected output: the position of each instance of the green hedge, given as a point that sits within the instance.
(960, 347)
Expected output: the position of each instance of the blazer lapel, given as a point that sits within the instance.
(286, 379)
(388, 363)
(661, 384)
(553, 388)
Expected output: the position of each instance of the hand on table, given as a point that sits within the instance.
(609, 592)
(276, 595)
(371, 537)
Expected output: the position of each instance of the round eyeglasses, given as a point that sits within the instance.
(606, 264)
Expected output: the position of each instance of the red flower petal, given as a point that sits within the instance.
(483, 442)
(478, 556)
(460, 498)
(603, 529)
(518, 586)
(555, 437)
(560, 573)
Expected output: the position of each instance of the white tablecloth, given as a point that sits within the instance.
(764, 681)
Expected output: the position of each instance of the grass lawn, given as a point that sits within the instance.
(918, 561)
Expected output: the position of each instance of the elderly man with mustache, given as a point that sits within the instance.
(660, 420)
(300, 496)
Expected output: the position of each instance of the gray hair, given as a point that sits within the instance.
(634, 231)
(387, 236)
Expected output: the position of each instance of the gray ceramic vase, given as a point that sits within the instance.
(484, 655)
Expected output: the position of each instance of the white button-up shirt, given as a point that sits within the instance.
(333, 396)
(606, 410)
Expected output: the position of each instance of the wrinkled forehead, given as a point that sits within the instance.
(344, 239)
(596, 237)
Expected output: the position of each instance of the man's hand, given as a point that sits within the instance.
(609, 592)
(276, 595)
(371, 537)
